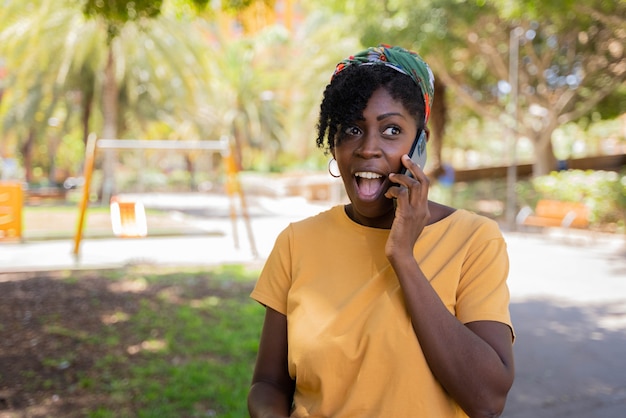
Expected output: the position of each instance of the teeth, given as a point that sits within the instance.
(367, 175)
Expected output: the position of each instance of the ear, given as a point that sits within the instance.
(427, 134)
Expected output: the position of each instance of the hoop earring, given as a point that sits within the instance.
(333, 168)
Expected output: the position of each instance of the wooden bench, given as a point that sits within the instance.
(36, 196)
(555, 213)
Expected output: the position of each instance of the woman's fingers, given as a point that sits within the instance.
(413, 187)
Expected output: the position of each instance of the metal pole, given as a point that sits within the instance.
(511, 204)
(162, 144)
(90, 156)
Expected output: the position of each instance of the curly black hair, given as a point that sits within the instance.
(346, 97)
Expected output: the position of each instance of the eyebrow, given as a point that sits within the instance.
(386, 115)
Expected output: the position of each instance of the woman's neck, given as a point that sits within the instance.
(382, 222)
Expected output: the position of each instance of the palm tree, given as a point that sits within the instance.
(316, 46)
(154, 72)
(247, 110)
(33, 50)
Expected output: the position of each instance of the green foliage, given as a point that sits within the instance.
(571, 55)
(235, 5)
(200, 4)
(614, 104)
(179, 78)
(116, 13)
(123, 10)
(604, 192)
(514, 9)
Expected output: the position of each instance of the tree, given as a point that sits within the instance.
(34, 54)
(568, 63)
(139, 62)
(307, 61)
(571, 56)
(114, 16)
(64, 57)
(248, 112)
(270, 81)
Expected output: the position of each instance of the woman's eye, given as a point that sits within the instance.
(352, 130)
(392, 130)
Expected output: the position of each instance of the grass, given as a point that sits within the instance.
(183, 344)
(60, 221)
(196, 355)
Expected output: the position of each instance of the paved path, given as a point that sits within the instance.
(569, 312)
(568, 301)
(221, 243)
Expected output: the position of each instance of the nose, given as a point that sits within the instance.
(369, 146)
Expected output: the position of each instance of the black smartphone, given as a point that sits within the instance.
(417, 152)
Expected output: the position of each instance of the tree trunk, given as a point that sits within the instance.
(86, 116)
(27, 155)
(109, 131)
(53, 146)
(545, 161)
(189, 161)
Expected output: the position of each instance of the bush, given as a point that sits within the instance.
(604, 192)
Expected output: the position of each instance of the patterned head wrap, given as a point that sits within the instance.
(402, 60)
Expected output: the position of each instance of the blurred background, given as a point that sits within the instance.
(530, 98)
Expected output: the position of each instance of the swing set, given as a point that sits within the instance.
(128, 219)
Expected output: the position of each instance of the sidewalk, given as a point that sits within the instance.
(568, 300)
(568, 304)
(214, 241)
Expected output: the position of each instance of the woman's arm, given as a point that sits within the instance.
(271, 393)
(473, 362)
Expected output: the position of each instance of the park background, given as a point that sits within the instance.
(530, 103)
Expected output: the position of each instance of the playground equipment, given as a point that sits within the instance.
(128, 216)
(11, 202)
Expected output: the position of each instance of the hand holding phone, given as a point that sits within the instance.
(417, 152)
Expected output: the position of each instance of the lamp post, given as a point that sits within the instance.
(511, 198)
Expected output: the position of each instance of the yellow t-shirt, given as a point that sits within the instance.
(352, 349)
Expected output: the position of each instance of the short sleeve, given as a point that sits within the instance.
(272, 287)
(483, 294)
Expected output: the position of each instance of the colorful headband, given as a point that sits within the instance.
(402, 60)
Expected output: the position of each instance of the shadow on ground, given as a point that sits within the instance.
(569, 360)
(66, 342)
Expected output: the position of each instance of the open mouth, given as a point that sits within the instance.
(369, 184)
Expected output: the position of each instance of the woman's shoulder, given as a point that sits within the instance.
(322, 228)
(325, 218)
(442, 215)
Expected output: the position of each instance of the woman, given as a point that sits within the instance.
(392, 305)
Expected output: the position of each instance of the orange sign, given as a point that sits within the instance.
(11, 200)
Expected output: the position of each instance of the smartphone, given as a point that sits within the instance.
(417, 152)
